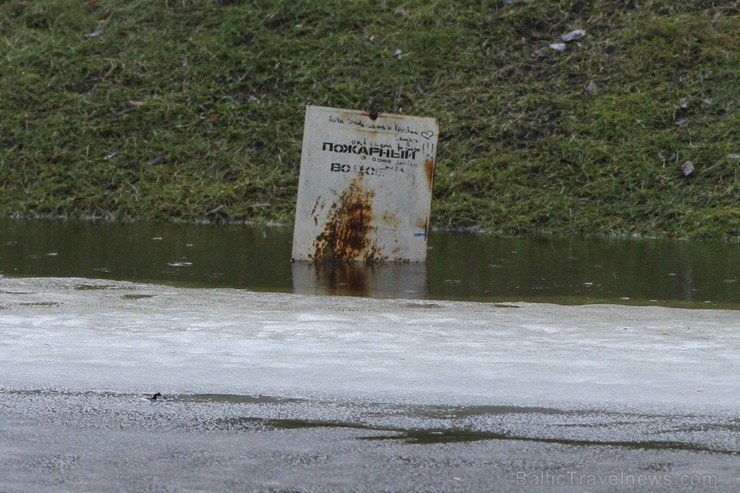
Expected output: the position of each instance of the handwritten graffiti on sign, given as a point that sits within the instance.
(365, 186)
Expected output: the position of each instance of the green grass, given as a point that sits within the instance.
(192, 110)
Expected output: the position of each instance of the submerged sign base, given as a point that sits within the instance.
(365, 187)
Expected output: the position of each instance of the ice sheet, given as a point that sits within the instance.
(107, 335)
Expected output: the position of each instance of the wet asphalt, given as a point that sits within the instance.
(56, 440)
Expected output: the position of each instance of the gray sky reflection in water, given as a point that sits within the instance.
(459, 266)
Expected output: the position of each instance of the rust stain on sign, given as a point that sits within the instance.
(429, 170)
(345, 237)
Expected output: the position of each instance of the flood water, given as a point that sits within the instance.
(459, 266)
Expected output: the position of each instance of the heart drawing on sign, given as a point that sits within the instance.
(427, 134)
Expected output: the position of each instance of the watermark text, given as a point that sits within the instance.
(620, 479)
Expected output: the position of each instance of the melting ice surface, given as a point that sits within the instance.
(118, 336)
(292, 392)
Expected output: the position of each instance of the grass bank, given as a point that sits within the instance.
(193, 110)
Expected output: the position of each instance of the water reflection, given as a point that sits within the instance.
(197, 255)
(377, 280)
(599, 269)
(459, 266)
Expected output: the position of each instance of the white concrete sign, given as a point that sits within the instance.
(365, 187)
